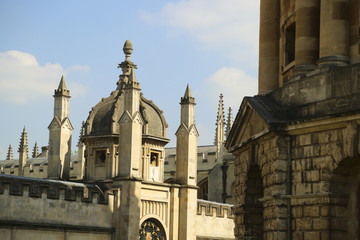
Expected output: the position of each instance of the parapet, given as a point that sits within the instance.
(53, 189)
(214, 209)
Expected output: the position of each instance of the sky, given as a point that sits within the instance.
(212, 45)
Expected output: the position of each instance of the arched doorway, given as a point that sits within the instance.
(253, 208)
(151, 229)
(345, 200)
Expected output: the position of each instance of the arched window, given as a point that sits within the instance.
(151, 229)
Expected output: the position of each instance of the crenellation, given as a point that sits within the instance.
(39, 188)
(214, 209)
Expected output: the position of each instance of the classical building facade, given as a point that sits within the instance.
(297, 164)
(120, 191)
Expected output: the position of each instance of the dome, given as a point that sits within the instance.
(103, 118)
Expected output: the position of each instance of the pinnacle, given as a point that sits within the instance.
(187, 92)
(188, 98)
(62, 85)
(10, 153)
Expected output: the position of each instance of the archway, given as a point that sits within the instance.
(344, 200)
(253, 208)
(151, 229)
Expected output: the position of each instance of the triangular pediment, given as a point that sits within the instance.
(55, 123)
(193, 130)
(182, 130)
(125, 118)
(248, 125)
(67, 124)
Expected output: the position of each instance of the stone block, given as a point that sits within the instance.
(303, 224)
(297, 177)
(325, 235)
(297, 211)
(311, 211)
(298, 235)
(324, 211)
(312, 236)
(304, 139)
(320, 223)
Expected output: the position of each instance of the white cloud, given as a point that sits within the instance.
(229, 26)
(23, 79)
(233, 83)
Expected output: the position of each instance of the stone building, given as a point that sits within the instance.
(120, 192)
(297, 164)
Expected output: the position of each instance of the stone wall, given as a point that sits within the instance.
(214, 221)
(49, 209)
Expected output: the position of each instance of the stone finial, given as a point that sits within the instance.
(62, 90)
(187, 96)
(229, 122)
(35, 152)
(220, 122)
(126, 66)
(23, 147)
(10, 153)
(128, 49)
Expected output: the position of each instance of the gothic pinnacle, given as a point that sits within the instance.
(229, 123)
(187, 96)
(35, 152)
(23, 147)
(62, 85)
(61, 90)
(10, 153)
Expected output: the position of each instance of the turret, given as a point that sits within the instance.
(130, 123)
(35, 152)
(10, 153)
(23, 152)
(186, 166)
(60, 132)
(186, 142)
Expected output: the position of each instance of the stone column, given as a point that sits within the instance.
(269, 45)
(334, 32)
(307, 34)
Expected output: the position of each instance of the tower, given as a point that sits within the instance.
(23, 152)
(186, 166)
(60, 132)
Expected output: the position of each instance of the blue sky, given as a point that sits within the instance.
(210, 44)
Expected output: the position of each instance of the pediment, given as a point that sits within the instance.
(55, 123)
(248, 125)
(127, 118)
(67, 124)
(182, 130)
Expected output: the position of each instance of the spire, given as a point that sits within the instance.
(82, 132)
(35, 152)
(187, 96)
(61, 90)
(220, 122)
(229, 123)
(62, 85)
(10, 153)
(126, 66)
(23, 147)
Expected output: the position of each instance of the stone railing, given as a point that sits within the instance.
(214, 209)
(52, 189)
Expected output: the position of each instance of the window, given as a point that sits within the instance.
(290, 44)
(100, 157)
(154, 159)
